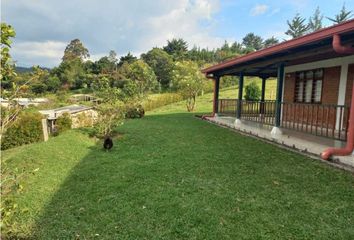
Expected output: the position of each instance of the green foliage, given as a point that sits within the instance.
(162, 64)
(26, 129)
(75, 50)
(7, 66)
(342, 16)
(315, 22)
(142, 75)
(129, 58)
(252, 92)
(110, 116)
(189, 81)
(134, 110)
(177, 48)
(270, 42)
(297, 27)
(63, 123)
(252, 42)
(38, 88)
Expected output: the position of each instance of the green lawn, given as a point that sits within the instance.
(173, 176)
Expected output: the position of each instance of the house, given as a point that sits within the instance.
(81, 116)
(315, 77)
(24, 102)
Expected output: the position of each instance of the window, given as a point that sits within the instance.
(308, 88)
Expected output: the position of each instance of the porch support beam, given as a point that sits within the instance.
(240, 93)
(263, 88)
(280, 81)
(216, 95)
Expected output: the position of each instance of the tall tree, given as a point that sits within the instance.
(177, 48)
(315, 22)
(342, 16)
(75, 50)
(129, 58)
(297, 27)
(252, 42)
(112, 57)
(162, 64)
(270, 41)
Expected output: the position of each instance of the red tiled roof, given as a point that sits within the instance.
(321, 34)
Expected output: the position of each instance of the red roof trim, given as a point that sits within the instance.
(309, 38)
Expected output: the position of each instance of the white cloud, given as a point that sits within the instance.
(259, 9)
(123, 26)
(34, 52)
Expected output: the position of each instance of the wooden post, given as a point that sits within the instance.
(263, 94)
(240, 93)
(216, 94)
(45, 129)
(280, 80)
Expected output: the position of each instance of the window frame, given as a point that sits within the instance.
(304, 81)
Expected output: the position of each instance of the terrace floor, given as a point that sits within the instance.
(303, 142)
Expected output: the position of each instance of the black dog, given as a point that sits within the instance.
(108, 143)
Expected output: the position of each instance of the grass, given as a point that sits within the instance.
(172, 176)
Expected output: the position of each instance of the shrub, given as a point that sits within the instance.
(27, 129)
(253, 92)
(134, 111)
(38, 88)
(63, 123)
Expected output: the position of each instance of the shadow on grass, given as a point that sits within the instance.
(176, 177)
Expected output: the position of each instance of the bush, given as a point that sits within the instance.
(134, 111)
(253, 92)
(63, 123)
(26, 129)
(38, 88)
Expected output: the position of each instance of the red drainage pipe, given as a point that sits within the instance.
(339, 48)
(348, 149)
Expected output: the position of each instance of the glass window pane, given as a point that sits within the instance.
(318, 91)
(309, 74)
(300, 91)
(308, 91)
(319, 73)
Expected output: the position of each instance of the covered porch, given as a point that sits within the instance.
(314, 76)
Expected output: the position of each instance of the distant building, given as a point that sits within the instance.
(81, 116)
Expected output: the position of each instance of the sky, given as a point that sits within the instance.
(44, 27)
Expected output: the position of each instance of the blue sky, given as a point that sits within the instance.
(45, 27)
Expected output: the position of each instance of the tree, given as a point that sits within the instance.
(7, 66)
(342, 16)
(270, 42)
(297, 27)
(71, 73)
(75, 50)
(252, 92)
(129, 58)
(162, 64)
(315, 22)
(189, 82)
(252, 42)
(177, 48)
(112, 57)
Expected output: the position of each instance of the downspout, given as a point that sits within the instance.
(339, 48)
(348, 149)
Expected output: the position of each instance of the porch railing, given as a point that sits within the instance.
(227, 107)
(319, 119)
(259, 111)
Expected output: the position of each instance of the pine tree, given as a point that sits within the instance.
(342, 16)
(315, 22)
(297, 27)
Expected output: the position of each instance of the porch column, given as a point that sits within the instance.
(263, 94)
(279, 97)
(263, 88)
(239, 102)
(216, 95)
